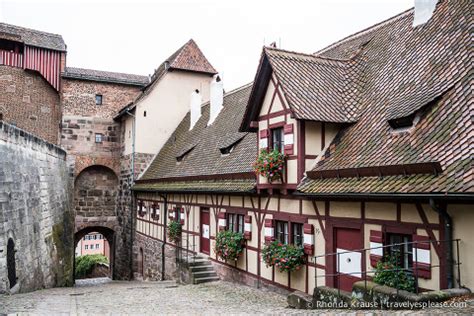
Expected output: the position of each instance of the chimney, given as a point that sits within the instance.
(217, 98)
(423, 11)
(196, 101)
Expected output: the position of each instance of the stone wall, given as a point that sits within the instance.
(34, 211)
(28, 101)
(149, 267)
(126, 212)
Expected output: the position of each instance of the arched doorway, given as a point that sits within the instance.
(11, 263)
(102, 241)
(140, 262)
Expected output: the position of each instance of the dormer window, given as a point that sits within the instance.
(183, 153)
(226, 150)
(402, 122)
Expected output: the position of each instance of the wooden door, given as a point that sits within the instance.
(348, 264)
(205, 231)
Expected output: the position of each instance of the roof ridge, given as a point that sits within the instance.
(309, 55)
(364, 31)
(31, 30)
(106, 71)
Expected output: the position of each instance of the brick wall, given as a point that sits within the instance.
(28, 101)
(34, 211)
(78, 98)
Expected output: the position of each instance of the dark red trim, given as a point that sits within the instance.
(301, 143)
(273, 115)
(276, 125)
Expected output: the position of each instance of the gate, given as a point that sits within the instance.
(11, 264)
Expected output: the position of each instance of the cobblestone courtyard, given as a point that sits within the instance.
(163, 297)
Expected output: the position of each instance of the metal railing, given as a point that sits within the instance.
(365, 262)
(188, 246)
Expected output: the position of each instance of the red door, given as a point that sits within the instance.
(348, 264)
(205, 231)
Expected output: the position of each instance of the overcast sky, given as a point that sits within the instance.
(136, 36)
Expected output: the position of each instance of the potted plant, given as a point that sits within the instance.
(388, 272)
(270, 165)
(285, 257)
(174, 231)
(229, 245)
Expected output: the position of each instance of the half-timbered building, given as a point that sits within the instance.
(377, 133)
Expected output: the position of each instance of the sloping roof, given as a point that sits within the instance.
(205, 159)
(318, 88)
(407, 69)
(33, 37)
(224, 185)
(187, 58)
(104, 76)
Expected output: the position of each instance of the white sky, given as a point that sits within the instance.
(136, 36)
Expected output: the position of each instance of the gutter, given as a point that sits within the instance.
(448, 226)
(163, 257)
(404, 196)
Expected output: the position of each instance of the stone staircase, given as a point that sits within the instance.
(200, 270)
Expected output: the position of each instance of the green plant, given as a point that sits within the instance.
(388, 272)
(286, 257)
(85, 264)
(229, 245)
(270, 164)
(174, 231)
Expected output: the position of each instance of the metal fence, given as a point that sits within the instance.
(414, 270)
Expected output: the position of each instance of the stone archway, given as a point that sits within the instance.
(109, 235)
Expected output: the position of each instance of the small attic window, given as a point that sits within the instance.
(403, 123)
(183, 153)
(226, 150)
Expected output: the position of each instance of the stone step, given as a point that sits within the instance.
(202, 274)
(201, 268)
(200, 262)
(205, 279)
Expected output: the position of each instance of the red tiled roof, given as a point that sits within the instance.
(189, 57)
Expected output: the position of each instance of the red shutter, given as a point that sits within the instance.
(376, 241)
(222, 221)
(289, 145)
(308, 240)
(264, 138)
(269, 230)
(248, 227)
(181, 216)
(422, 256)
(288, 129)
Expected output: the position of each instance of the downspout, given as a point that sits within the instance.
(448, 226)
(132, 171)
(165, 212)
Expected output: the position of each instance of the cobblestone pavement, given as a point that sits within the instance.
(120, 297)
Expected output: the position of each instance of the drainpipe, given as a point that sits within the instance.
(448, 226)
(132, 171)
(165, 213)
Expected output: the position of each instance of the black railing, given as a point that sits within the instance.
(187, 246)
(413, 269)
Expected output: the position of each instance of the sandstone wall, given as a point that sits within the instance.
(34, 211)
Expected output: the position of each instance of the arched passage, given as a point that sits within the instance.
(95, 192)
(109, 236)
(11, 262)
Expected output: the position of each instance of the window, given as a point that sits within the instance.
(97, 246)
(226, 150)
(283, 235)
(86, 247)
(281, 232)
(277, 139)
(98, 99)
(235, 222)
(98, 138)
(144, 113)
(297, 234)
(401, 248)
